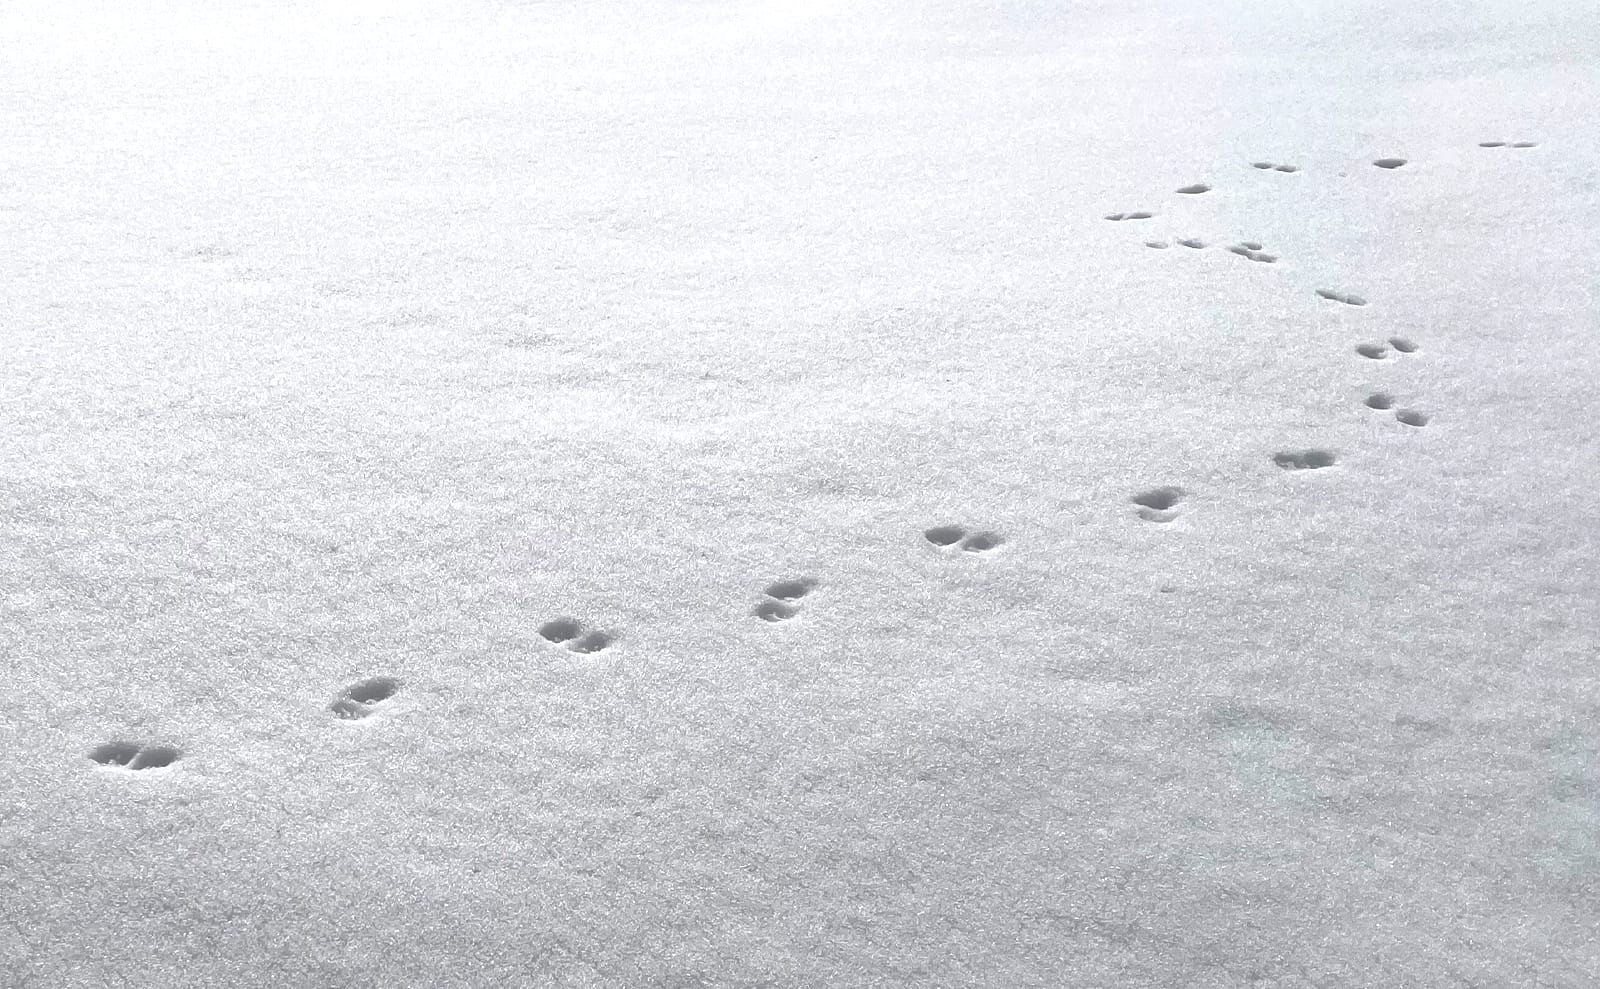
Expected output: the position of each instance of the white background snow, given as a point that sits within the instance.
(342, 341)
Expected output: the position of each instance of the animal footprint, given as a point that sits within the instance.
(1403, 345)
(1159, 504)
(1304, 459)
(1349, 300)
(1412, 417)
(1159, 245)
(1196, 244)
(1389, 162)
(126, 755)
(1194, 190)
(1129, 216)
(1264, 165)
(358, 699)
(1504, 144)
(571, 633)
(1251, 250)
(778, 599)
(1372, 351)
(955, 535)
(1380, 400)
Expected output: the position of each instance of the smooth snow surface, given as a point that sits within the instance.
(996, 494)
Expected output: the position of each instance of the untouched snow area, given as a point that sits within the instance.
(700, 494)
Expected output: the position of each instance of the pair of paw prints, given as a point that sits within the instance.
(574, 635)
(1251, 250)
(1159, 504)
(778, 600)
(1506, 144)
(1315, 459)
(1383, 402)
(360, 700)
(1347, 299)
(1379, 351)
(131, 756)
(1140, 215)
(1273, 166)
(946, 536)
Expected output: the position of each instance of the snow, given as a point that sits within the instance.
(961, 591)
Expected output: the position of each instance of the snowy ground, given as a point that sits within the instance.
(346, 342)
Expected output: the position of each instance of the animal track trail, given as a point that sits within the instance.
(948, 536)
(358, 700)
(1271, 166)
(133, 757)
(1314, 459)
(778, 600)
(1159, 504)
(575, 636)
(1349, 300)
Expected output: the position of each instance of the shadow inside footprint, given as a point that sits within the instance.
(1158, 504)
(791, 590)
(1372, 351)
(944, 535)
(357, 700)
(126, 755)
(591, 642)
(1412, 417)
(1403, 345)
(775, 611)
(561, 629)
(114, 753)
(1380, 400)
(1195, 190)
(1389, 162)
(981, 542)
(1304, 459)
